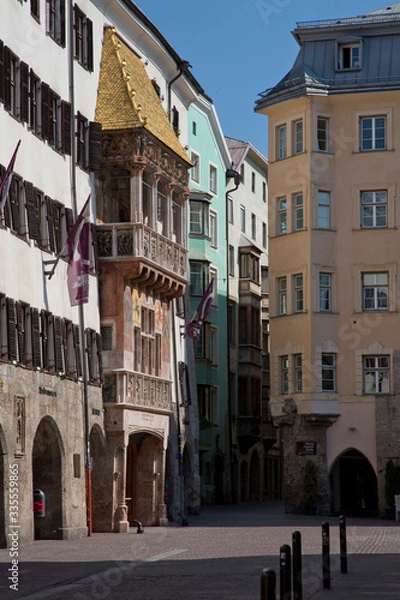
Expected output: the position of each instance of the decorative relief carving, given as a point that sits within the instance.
(19, 420)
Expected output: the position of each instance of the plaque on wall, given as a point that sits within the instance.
(306, 447)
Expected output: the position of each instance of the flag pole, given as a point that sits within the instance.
(88, 473)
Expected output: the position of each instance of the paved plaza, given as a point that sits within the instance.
(219, 555)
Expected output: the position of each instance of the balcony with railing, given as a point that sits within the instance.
(137, 390)
(138, 243)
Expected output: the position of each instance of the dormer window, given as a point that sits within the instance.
(349, 56)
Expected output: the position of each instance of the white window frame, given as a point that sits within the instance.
(213, 179)
(371, 201)
(253, 226)
(376, 145)
(328, 365)
(298, 373)
(298, 208)
(200, 225)
(377, 370)
(195, 170)
(323, 209)
(298, 285)
(282, 216)
(284, 370)
(282, 295)
(298, 136)
(325, 292)
(349, 56)
(282, 142)
(213, 215)
(322, 134)
(242, 219)
(376, 285)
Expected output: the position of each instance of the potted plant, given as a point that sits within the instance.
(310, 488)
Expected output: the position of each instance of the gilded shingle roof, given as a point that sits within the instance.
(126, 97)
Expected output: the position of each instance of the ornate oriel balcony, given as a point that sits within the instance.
(137, 389)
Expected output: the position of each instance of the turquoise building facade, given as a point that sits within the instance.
(208, 259)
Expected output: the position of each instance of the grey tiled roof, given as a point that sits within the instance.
(315, 68)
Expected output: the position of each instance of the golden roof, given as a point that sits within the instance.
(126, 97)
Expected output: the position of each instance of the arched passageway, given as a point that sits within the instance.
(255, 481)
(354, 485)
(145, 479)
(47, 477)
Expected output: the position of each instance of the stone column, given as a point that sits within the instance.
(121, 513)
(136, 193)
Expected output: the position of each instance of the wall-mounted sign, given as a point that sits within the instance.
(46, 392)
(306, 447)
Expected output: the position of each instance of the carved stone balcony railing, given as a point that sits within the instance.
(137, 389)
(138, 242)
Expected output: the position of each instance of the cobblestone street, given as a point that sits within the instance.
(219, 555)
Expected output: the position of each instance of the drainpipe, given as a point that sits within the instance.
(230, 174)
(88, 469)
(182, 66)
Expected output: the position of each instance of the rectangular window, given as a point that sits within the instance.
(323, 210)
(372, 133)
(253, 182)
(199, 277)
(282, 215)
(325, 292)
(298, 212)
(284, 374)
(82, 142)
(35, 9)
(230, 211)
(282, 143)
(298, 373)
(213, 179)
(373, 209)
(264, 191)
(195, 171)
(213, 346)
(207, 400)
(83, 39)
(322, 134)
(282, 290)
(264, 280)
(11, 82)
(55, 20)
(298, 137)
(231, 260)
(253, 226)
(243, 219)
(375, 291)
(376, 374)
(35, 89)
(198, 218)
(298, 293)
(328, 372)
(264, 235)
(349, 56)
(213, 229)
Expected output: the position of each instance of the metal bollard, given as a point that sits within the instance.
(343, 544)
(326, 560)
(297, 567)
(268, 584)
(285, 573)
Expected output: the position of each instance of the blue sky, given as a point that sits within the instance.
(238, 48)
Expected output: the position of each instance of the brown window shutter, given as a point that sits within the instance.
(2, 71)
(12, 331)
(44, 317)
(89, 351)
(62, 23)
(32, 210)
(21, 333)
(89, 45)
(99, 358)
(24, 81)
(77, 346)
(94, 262)
(57, 226)
(35, 324)
(45, 111)
(66, 127)
(7, 78)
(58, 344)
(50, 223)
(14, 204)
(94, 146)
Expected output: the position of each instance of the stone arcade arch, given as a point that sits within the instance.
(3, 455)
(145, 479)
(354, 485)
(47, 469)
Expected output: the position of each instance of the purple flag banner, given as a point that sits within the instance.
(193, 328)
(78, 268)
(7, 179)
